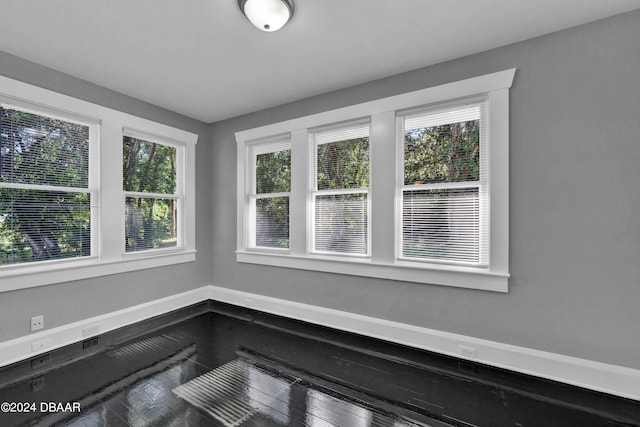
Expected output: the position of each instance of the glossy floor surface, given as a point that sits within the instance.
(228, 367)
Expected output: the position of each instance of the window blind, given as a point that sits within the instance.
(441, 224)
(444, 204)
(272, 222)
(341, 223)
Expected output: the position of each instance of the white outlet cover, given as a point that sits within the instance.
(41, 345)
(467, 351)
(37, 323)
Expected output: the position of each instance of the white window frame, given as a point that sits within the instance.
(384, 190)
(105, 169)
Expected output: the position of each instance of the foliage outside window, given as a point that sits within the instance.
(45, 200)
(270, 196)
(151, 202)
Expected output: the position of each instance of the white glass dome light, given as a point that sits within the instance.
(267, 15)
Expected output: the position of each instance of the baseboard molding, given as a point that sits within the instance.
(611, 379)
(20, 348)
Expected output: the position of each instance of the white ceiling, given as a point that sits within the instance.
(203, 59)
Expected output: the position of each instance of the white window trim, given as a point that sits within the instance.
(106, 183)
(383, 188)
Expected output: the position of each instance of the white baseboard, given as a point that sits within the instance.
(612, 379)
(20, 348)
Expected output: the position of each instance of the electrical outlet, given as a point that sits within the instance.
(37, 323)
(41, 345)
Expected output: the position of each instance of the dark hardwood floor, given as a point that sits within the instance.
(219, 365)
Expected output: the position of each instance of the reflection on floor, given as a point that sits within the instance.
(218, 365)
(241, 390)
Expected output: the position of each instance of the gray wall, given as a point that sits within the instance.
(575, 147)
(574, 202)
(70, 302)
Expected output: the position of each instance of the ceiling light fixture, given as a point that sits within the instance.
(267, 15)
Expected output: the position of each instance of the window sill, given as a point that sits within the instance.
(29, 276)
(448, 275)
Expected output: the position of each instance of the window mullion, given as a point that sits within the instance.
(299, 225)
(111, 207)
(383, 188)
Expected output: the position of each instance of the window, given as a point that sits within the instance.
(340, 196)
(152, 202)
(444, 185)
(47, 204)
(413, 187)
(82, 194)
(271, 187)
